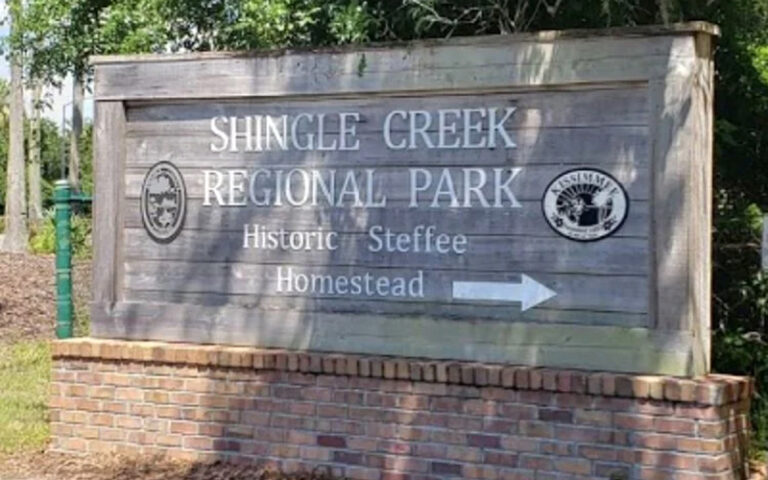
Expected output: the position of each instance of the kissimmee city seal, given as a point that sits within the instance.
(585, 204)
(163, 202)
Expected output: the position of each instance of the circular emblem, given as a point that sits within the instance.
(585, 204)
(163, 202)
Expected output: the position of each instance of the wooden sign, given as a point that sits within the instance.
(538, 199)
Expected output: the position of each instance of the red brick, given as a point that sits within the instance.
(603, 470)
(682, 444)
(712, 429)
(186, 428)
(634, 422)
(211, 429)
(349, 458)
(114, 407)
(127, 422)
(501, 458)
(520, 444)
(395, 476)
(169, 440)
(598, 453)
(112, 434)
(535, 462)
(484, 441)
(556, 448)
(536, 429)
(75, 390)
(555, 415)
(129, 394)
(592, 417)
(594, 384)
(168, 411)
(76, 444)
(334, 441)
(584, 434)
(573, 465)
(715, 464)
(156, 397)
(411, 425)
(360, 473)
(522, 378)
(674, 425)
(666, 460)
(444, 468)
(102, 419)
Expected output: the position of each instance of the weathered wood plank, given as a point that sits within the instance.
(577, 346)
(619, 105)
(504, 63)
(552, 146)
(682, 180)
(578, 292)
(459, 312)
(701, 217)
(394, 183)
(109, 159)
(628, 256)
(527, 220)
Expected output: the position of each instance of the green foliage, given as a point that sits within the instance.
(42, 239)
(53, 145)
(25, 370)
(740, 353)
(86, 157)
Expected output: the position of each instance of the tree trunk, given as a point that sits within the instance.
(15, 201)
(78, 93)
(35, 187)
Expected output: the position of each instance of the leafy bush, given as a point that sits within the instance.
(43, 237)
(746, 354)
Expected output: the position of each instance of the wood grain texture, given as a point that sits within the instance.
(109, 158)
(455, 311)
(618, 293)
(394, 183)
(505, 62)
(598, 145)
(586, 126)
(681, 129)
(485, 253)
(524, 221)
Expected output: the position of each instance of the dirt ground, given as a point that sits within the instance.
(53, 466)
(28, 296)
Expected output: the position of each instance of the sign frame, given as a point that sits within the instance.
(673, 63)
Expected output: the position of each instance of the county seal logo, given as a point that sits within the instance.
(585, 205)
(163, 202)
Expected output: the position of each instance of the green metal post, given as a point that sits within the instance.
(62, 197)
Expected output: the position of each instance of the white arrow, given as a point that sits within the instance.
(528, 292)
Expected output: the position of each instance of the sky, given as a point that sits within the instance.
(59, 98)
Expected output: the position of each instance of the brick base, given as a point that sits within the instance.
(382, 418)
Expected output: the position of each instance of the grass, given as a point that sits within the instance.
(24, 377)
